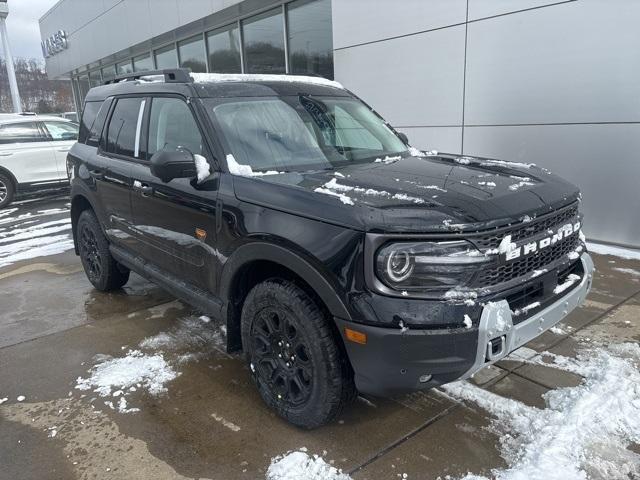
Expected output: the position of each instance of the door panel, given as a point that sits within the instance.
(26, 153)
(175, 221)
(62, 135)
(174, 226)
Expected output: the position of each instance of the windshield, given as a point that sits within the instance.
(302, 132)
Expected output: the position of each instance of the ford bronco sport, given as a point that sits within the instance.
(339, 258)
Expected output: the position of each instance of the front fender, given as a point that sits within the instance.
(301, 266)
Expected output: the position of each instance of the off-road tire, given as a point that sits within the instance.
(7, 191)
(317, 357)
(101, 268)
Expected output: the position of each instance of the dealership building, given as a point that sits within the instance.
(552, 83)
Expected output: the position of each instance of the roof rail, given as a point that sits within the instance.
(171, 75)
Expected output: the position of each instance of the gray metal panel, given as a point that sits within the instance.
(442, 139)
(489, 8)
(566, 63)
(601, 159)
(360, 21)
(163, 15)
(411, 81)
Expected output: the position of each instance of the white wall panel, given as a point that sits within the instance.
(573, 62)
(360, 21)
(411, 81)
(601, 159)
(488, 8)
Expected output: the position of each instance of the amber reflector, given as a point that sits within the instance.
(356, 337)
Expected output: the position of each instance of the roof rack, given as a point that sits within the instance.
(171, 75)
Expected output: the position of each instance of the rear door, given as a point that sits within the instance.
(62, 136)
(175, 221)
(26, 152)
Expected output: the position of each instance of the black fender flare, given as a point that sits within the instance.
(302, 267)
(78, 191)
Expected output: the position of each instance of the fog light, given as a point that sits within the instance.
(425, 378)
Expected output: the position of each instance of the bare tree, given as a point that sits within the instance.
(38, 93)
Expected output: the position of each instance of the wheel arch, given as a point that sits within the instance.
(79, 204)
(6, 172)
(256, 262)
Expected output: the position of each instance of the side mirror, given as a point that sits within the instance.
(167, 165)
(404, 138)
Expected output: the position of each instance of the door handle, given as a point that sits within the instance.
(64, 149)
(96, 174)
(6, 154)
(143, 188)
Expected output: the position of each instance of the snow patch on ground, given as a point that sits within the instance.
(630, 271)
(34, 247)
(627, 253)
(584, 432)
(300, 466)
(111, 376)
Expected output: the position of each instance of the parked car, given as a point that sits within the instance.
(340, 258)
(33, 152)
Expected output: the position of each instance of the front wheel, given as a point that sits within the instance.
(101, 268)
(296, 363)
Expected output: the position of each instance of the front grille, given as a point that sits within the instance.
(503, 273)
(526, 230)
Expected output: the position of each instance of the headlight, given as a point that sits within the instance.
(420, 266)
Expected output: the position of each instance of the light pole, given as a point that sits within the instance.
(11, 73)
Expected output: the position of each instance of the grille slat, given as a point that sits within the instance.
(497, 274)
(526, 230)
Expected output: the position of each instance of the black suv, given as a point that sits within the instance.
(339, 258)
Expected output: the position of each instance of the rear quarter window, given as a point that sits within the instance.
(89, 114)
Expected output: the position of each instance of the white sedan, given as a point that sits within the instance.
(33, 153)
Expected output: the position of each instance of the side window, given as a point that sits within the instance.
(20, 133)
(121, 136)
(172, 127)
(89, 114)
(61, 131)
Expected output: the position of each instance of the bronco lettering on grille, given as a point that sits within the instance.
(531, 247)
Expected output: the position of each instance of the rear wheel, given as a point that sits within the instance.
(296, 363)
(7, 191)
(101, 268)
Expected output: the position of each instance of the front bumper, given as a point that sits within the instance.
(400, 360)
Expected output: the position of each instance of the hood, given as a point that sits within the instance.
(430, 193)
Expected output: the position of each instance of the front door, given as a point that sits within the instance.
(175, 221)
(62, 135)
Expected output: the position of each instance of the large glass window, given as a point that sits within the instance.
(83, 86)
(172, 127)
(310, 37)
(191, 53)
(122, 127)
(301, 132)
(224, 50)
(142, 63)
(95, 79)
(20, 133)
(109, 72)
(166, 57)
(264, 43)
(124, 67)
